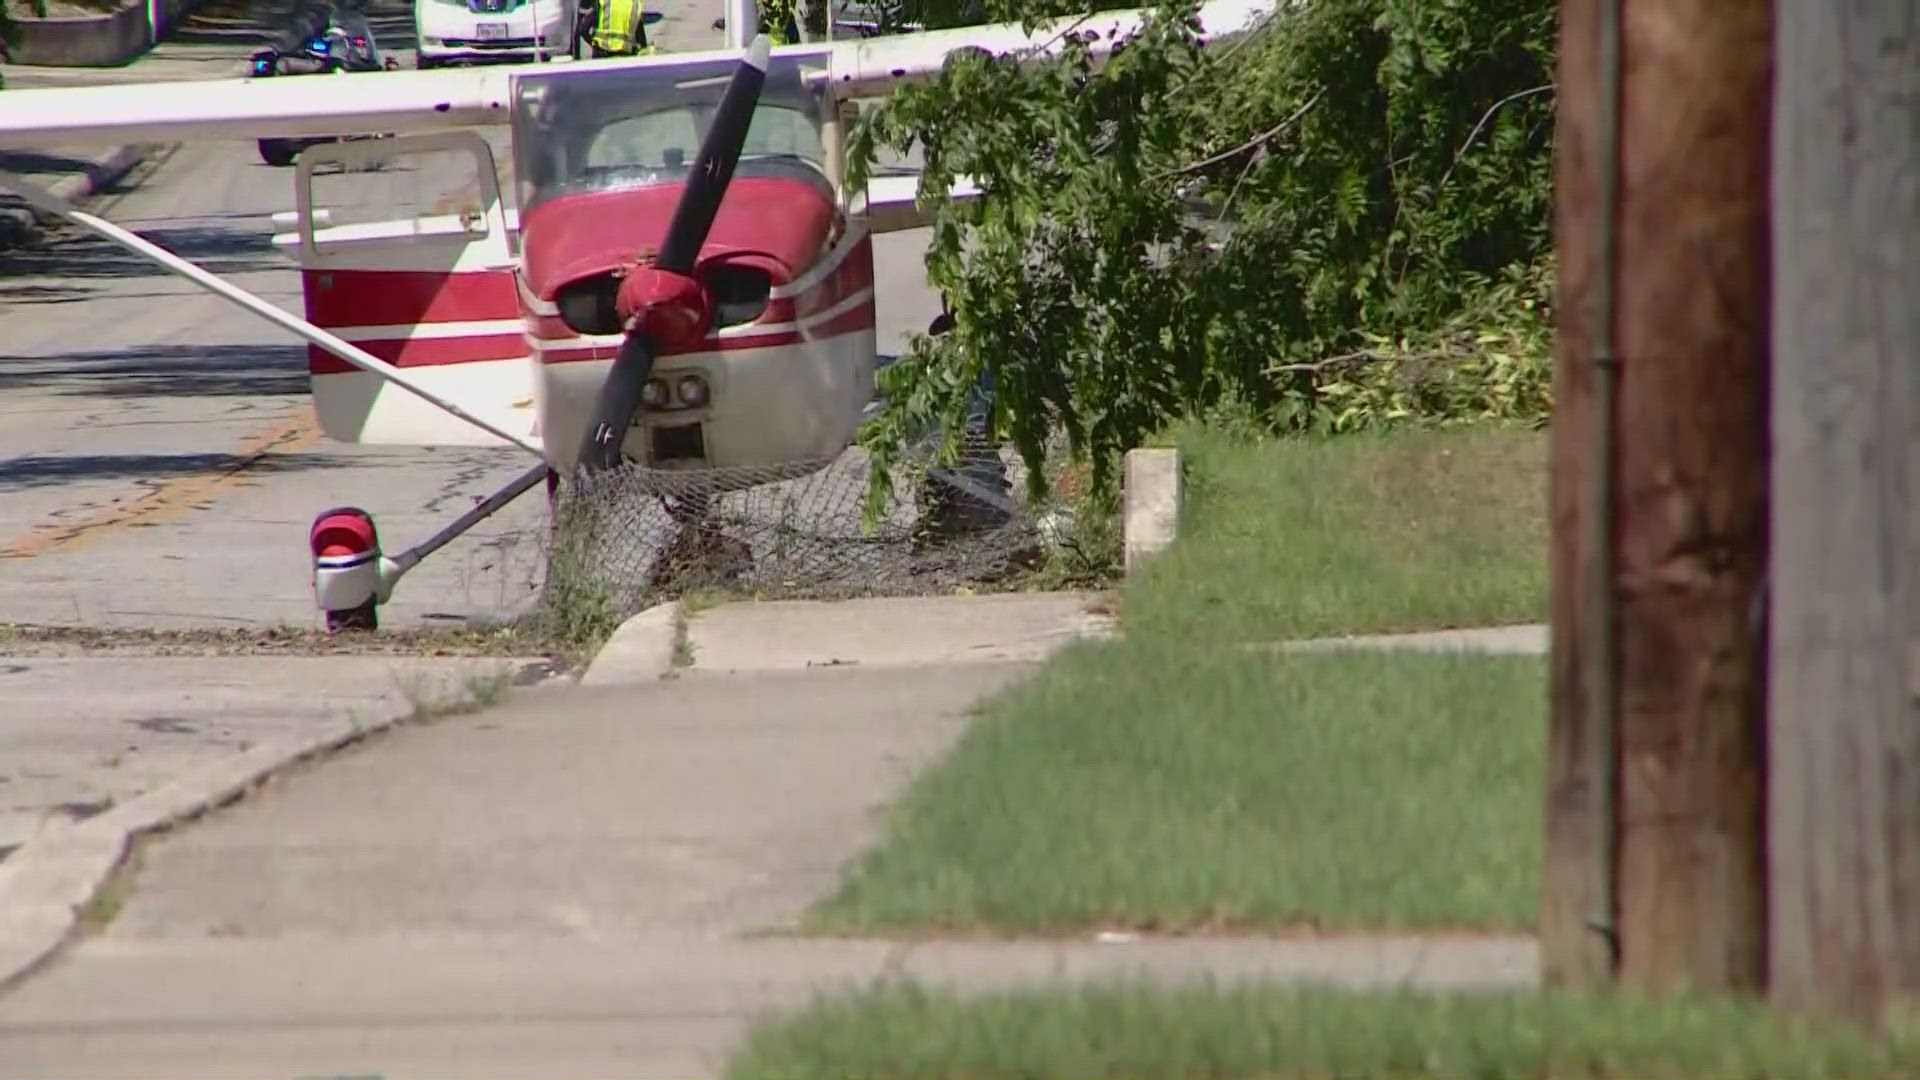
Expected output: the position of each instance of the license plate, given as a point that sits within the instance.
(490, 31)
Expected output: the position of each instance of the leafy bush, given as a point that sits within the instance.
(1491, 360)
(1307, 217)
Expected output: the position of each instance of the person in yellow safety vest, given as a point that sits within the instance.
(619, 29)
(778, 20)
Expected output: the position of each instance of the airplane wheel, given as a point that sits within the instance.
(942, 322)
(364, 617)
(277, 152)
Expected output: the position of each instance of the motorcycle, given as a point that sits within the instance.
(337, 51)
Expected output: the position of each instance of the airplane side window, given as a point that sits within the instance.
(776, 132)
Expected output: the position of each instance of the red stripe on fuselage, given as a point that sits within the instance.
(346, 297)
(861, 316)
(854, 273)
(350, 298)
(853, 320)
(777, 339)
(425, 352)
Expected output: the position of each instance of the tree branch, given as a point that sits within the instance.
(1251, 144)
(1475, 133)
(1406, 253)
(1323, 364)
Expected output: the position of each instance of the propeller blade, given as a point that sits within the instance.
(707, 180)
(619, 400)
(713, 166)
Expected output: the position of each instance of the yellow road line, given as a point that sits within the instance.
(170, 498)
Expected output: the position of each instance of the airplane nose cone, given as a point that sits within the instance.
(670, 309)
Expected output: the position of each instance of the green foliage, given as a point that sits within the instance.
(577, 610)
(1190, 776)
(1298, 218)
(1491, 360)
(1131, 1029)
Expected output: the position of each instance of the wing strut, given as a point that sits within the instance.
(53, 204)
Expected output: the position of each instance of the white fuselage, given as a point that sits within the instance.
(425, 296)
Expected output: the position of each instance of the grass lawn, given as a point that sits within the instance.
(1355, 534)
(1175, 781)
(1271, 1033)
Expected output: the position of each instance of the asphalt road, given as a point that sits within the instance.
(159, 465)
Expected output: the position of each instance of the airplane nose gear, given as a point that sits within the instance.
(351, 577)
(346, 568)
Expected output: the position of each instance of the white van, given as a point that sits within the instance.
(470, 31)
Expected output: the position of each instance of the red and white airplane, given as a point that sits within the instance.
(681, 279)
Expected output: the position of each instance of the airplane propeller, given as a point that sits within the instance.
(662, 301)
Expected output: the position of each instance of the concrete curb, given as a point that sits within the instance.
(1152, 494)
(47, 884)
(110, 40)
(105, 171)
(642, 650)
(1526, 639)
(102, 172)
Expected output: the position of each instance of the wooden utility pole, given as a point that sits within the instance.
(1659, 497)
(1844, 726)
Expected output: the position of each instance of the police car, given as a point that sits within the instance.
(471, 31)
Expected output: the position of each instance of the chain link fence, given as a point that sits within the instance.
(622, 540)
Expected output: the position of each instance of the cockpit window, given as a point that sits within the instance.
(586, 129)
(670, 138)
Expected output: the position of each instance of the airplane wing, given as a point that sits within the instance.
(400, 102)
(407, 102)
(892, 201)
(867, 67)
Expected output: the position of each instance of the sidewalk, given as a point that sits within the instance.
(86, 734)
(594, 881)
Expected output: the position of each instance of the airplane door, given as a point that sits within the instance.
(455, 204)
(407, 249)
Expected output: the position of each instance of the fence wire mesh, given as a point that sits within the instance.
(627, 538)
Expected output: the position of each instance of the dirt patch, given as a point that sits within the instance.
(23, 640)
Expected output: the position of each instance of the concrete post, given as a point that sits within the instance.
(1151, 491)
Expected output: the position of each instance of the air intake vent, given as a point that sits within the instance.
(739, 292)
(587, 305)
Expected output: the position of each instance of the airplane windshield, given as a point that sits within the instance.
(585, 129)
